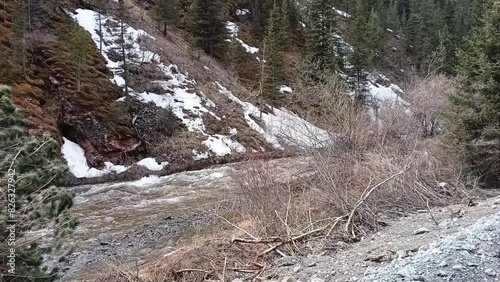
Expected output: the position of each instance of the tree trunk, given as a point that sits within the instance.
(124, 61)
(100, 33)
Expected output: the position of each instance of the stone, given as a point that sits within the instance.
(457, 267)
(421, 230)
(237, 280)
(490, 272)
(496, 202)
(287, 261)
(401, 254)
(417, 278)
(288, 279)
(442, 273)
(316, 279)
(448, 223)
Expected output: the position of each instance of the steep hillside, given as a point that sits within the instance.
(165, 107)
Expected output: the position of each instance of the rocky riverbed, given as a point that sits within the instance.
(132, 222)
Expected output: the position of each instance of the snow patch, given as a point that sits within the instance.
(77, 163)
(281, 124)
(342, 13)
(222, 145)
(233, 31)
(152, 164)
(242, 12)
(285, 89)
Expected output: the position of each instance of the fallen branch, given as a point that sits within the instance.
(296, 238)
(430, 212)
(364, 196)
(192, 270)
(257, 240)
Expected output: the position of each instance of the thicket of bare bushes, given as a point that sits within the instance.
(372, 172)
(375, 170)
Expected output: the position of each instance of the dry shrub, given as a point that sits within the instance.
(203, 257)
(382, 169)
(428, 101)
(275, 207)
(328, 106)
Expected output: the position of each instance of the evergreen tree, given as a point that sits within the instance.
(375, 36)
(448, 58)
(31, 167)
(78, 51)
(274, 73)
(167, 13)
(393, 20)
(19, 39)
(290, 20)
(360, 56)
(123, 42)
(207, 27)
(320, 39)
(476, 116)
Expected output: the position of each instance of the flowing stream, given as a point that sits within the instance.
(139, 220)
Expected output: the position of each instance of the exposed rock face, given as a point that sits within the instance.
(99, 144)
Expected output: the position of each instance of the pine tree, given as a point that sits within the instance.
(123, 43)
(290, 20)
(31, 166)
(274, 74)
(320, 40)
(19, 39)
(448, 57)
(207, 27)
(78, 51)
(375, 36)
(167, 13)
(476, 119)
(360, 56)
(393, 19)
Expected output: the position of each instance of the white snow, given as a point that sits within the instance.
(281, 125)
(223, 145)
(285, 89)
(342, 13)
(87, 19)
(242, 12)
(152, 164)
(233, 31)
(181, 97)
(199, 155)
(77, 163)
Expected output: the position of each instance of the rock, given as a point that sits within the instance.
(406, 272)
(421, 230)
(237, 280)
(490, 272)
(496, 202)
(102, 243)
(442, 273)
(472, 264)
(288, 279)
(287, 261)
(401, 254)
(448, 223)
(457, 267)
(417, 278)
(316, 279)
